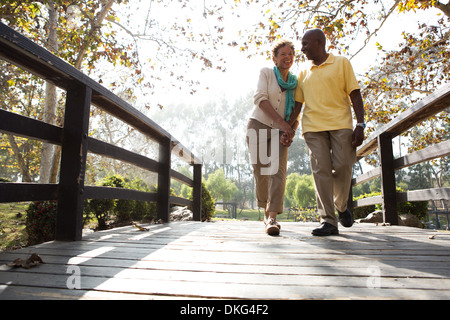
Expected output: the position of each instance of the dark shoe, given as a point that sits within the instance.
(326, 229)
(346, 218)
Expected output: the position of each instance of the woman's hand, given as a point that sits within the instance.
(287, 129)
(285, 140)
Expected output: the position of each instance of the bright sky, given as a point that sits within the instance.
(242, 72)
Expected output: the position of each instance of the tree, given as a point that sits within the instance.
(220, 187)
(401, 76)
(300, 190)
(88, 33)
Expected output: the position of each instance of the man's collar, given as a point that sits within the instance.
(329, 60)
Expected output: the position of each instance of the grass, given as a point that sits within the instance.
(12, 226)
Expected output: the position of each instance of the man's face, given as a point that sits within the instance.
(310, 47)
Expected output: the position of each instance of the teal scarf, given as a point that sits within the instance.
(290, 85)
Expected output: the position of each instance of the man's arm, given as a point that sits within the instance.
(358, 108)
(295, 116)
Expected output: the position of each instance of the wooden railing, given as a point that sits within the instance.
(382, 139)
(73, 138)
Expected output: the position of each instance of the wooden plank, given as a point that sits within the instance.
(372, 174)
(181, 178)
(18, 192)
(114, 152)
(367, 201)
(424, 195)
(425, 108)
(180, 201)
(436, 151)
(229, 260)
(18, 125)
(97, 192)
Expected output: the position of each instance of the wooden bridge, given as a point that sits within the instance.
(236, 260)
(208, 260)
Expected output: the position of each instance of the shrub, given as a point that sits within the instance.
(40, 221)
(143, 210)
(208, 204)
(121, 210)
(306, 214)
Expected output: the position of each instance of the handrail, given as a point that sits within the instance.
(83, 91)
(382, 139)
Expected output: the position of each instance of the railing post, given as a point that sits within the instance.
(165, 152)
(197, 193)
(69, 220)
(388, 190)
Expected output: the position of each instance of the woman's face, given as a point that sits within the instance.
(284, 58)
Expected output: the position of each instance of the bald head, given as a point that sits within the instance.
(316, 34)
(313, 46)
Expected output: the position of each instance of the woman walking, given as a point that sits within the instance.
(270, 131)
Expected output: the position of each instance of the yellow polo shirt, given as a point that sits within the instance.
(324, 91)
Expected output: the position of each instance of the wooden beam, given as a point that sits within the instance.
(424, 195)
(165, 151)
(17, 125)
(388, 179)
(422, 110)
(435, 151)
(180, 201)
(69, 221)
(97, 192)
(181, 178)
(369, 175)
(197, 192)
(118, 153)
(17, 192)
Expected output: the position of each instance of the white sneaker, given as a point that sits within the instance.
(266, 219)
(272, 227)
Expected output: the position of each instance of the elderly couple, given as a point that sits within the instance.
(325, 90)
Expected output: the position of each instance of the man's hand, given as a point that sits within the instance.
(357, 137)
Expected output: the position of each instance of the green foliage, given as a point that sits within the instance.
(40, 221)
(120, 210)
(208, 204)
(220, 187)
(306, 214)
(300, 190)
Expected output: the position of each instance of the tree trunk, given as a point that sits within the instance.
(24, 171)
(51, 98)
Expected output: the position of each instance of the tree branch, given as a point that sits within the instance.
(366, 41)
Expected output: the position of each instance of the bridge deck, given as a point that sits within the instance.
(236, 259)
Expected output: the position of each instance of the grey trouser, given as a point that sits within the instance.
(332, 159)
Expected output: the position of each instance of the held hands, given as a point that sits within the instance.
(285, 140)
(288, 133)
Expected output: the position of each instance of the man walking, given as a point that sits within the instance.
(327, 89)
